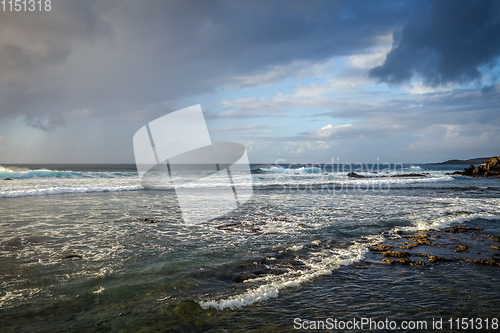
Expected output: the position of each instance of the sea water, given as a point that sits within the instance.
(87, 248)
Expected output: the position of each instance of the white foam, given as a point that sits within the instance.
(52, 190)
(320, 263)
(295, 248)
(447, 221)
(288, 171)
(21, 294)
(98, 291)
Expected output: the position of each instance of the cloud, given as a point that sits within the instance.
(232, 129)
(115, 57)
(330, 131)
(456, 141)
(296, 70)
(448, 41)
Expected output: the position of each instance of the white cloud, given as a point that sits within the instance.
(330, 131)
(419, 88)
(231, 129)
(456, 141)
(377, 55)
(295, 70)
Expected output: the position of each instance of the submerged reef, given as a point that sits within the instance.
(457, 243)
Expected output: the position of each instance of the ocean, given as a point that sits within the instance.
(86, 248)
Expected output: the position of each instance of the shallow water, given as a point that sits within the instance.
(77, 255)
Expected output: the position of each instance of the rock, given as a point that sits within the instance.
(276, 219)
(418, 263)
(243, 276)
(483, 262)
(490, 169)
(395, 254)
(293, 262)
(263, 271)
(379, 247)
(457, 229)
(478, 171)
(188, 309)
(73, 256)
(149, 220)
(409, 175)
(404, 261)
(437, 259)
(8, 178)
(355, 175)
(468, 171)
(230, 226)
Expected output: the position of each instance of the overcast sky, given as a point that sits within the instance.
(300, 81)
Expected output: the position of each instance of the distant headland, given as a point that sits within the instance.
(477, 160)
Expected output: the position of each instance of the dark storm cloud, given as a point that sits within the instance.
(447, 41)
(119, 56)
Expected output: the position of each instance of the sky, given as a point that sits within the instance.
(293, 81)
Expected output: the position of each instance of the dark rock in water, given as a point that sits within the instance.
(293, 262)
(462, 248)
(188, 309)
(355, 175)
(345, 245)
(483, 262)
(410, 175)
(379, 248)
(262, 271)
(468, 171)
(150, 221)
(438, 259)
(230, 226)
(243, 276)
(458, 228)
(478, 171)
(276, 219)
(8, 178)
(73, 256)
(404, 261)
(395, 254)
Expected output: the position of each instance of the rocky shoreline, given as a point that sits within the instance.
(490, 170)
(455, 244)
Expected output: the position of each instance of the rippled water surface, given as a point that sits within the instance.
(76, 253)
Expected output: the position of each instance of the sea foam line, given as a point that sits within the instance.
(321, 263)
(14, 193)
(446, 221)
